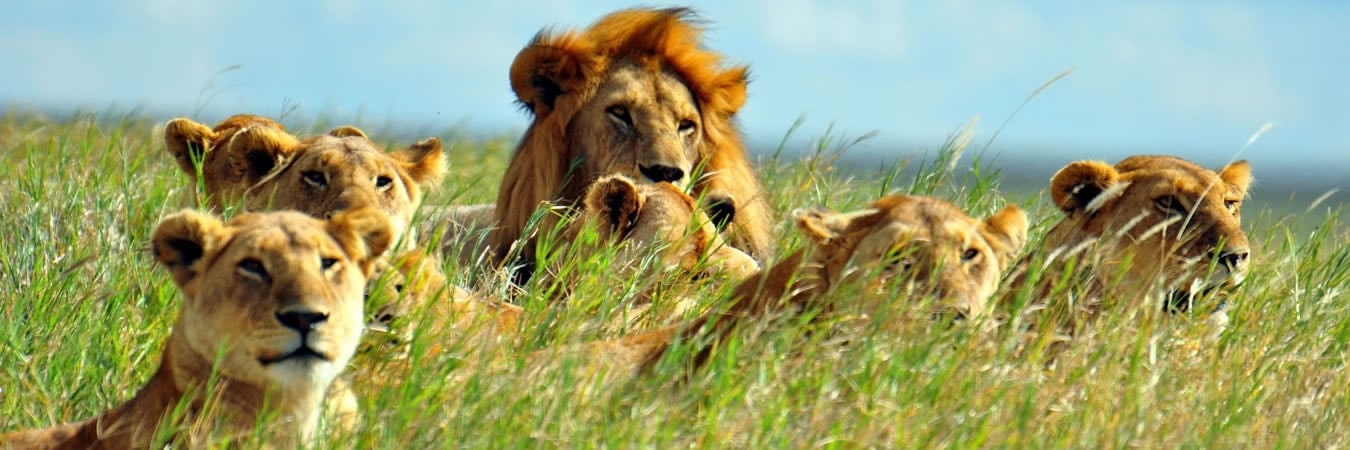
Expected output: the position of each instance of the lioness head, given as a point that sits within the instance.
(928, 246)
(266, 168)
(1160, 221)
(635, 94)
(330, 174)
(276, 298)
(643, 217)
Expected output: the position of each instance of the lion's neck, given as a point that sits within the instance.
(177, 400)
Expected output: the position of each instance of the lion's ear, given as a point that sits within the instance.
(364, 233)
(616, 200)
(424, 162)
(346, 131)
(1239, 175)
(824, 226)
(187, 141)
(550, 67)
(182, 238)
(1006, 232)
(1076, 186)
(256, 151)
(721, 209)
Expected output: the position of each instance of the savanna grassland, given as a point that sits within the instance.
(84, 308)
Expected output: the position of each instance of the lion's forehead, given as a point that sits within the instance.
(345, 160)
(281, 243)
(1193, 185)
(648, 87)
(280, 235)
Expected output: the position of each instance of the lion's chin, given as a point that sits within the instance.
(303, 354)
(301, 365)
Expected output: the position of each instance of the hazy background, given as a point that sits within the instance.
(1195, 79)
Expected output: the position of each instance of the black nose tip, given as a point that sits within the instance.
(1233, 258)
(662, 173)
(301, 320)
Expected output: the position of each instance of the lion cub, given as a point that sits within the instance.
(274, 299)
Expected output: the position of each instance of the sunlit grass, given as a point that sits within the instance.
(84, 309)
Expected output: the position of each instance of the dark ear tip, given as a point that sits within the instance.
(722, 211)
(188, 251)
(260, 163)
(1081, 195)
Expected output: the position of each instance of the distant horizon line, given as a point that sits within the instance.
(870, 150)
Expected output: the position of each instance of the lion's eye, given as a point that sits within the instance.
(620, 115)
(969, 254)
(253, 268)
(686, 126)
(314, 178)
(1231, 206)
(1169, 204)
(383, 181)
(327, 263)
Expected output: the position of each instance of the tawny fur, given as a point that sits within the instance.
(653, 235)
(259, 165)
(320, 176)
(238, 279)
(1142, 232)
(225, 163)
(635, 90)
(856, 247)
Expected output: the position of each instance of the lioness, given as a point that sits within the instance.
(635, 94)
(660, 239)
(275, 300)
(640, 218)
(1150, 229)
(930, 245)
(253, 160)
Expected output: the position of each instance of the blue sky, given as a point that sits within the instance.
(1195, 79)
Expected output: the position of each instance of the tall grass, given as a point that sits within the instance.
(83, 310)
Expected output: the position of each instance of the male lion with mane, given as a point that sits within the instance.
(634, 94)
(271, 313)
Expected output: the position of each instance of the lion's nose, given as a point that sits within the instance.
(1233, 258)
(302, 320)
(660, 173)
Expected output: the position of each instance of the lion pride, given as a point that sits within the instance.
(635, 94)
(271, 313)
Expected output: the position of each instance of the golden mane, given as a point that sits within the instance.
(558, 74)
